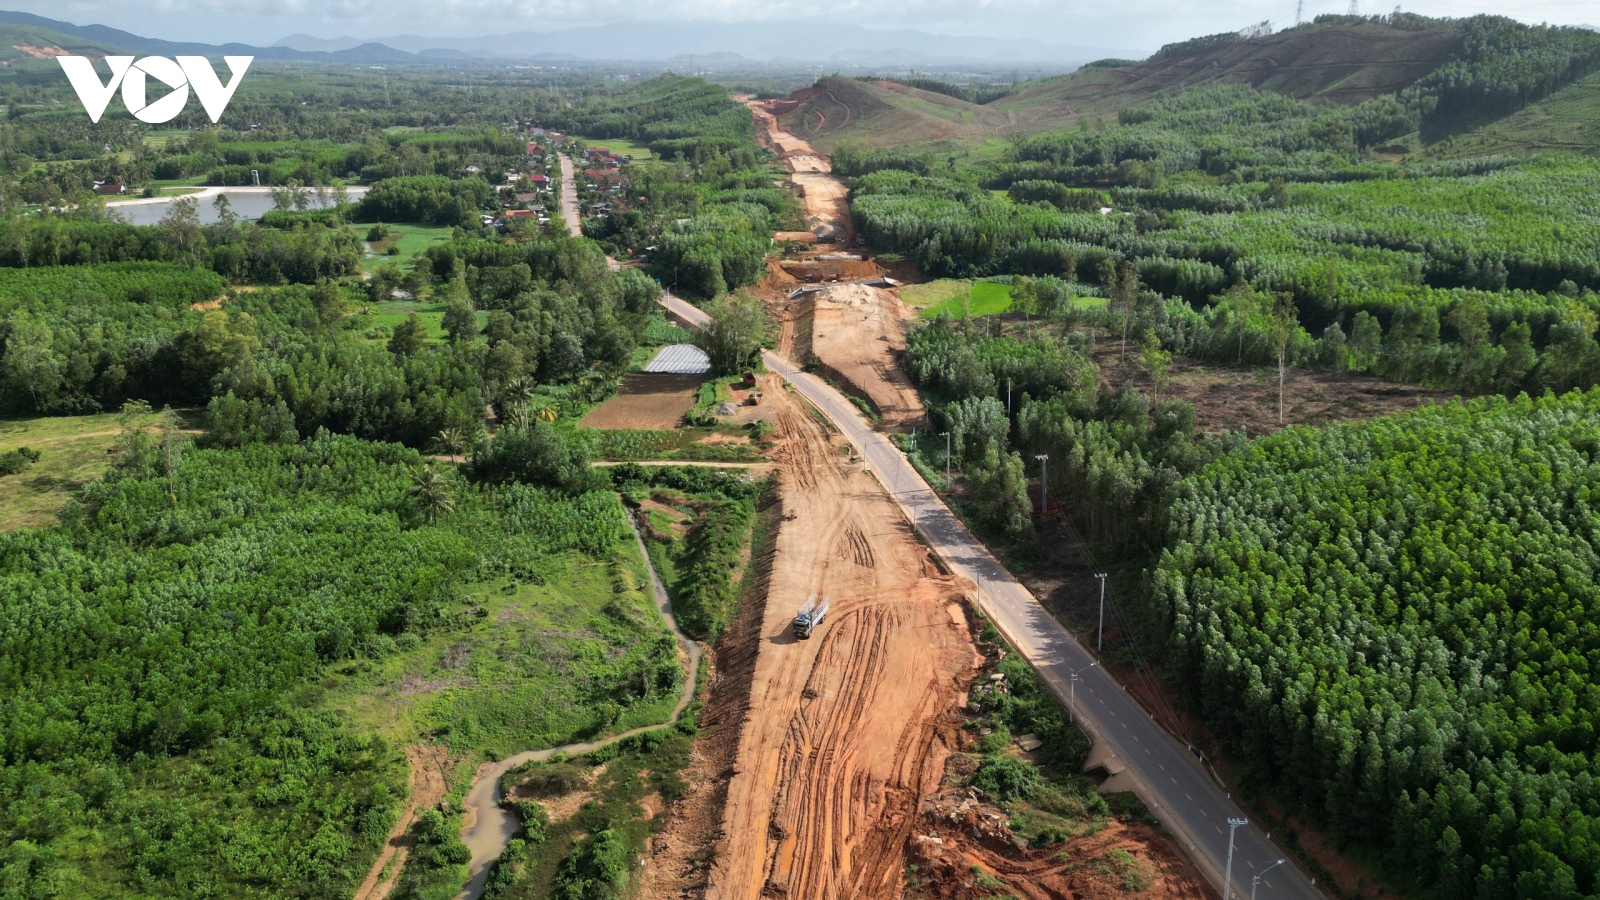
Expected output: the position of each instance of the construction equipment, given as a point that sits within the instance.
(810, 616)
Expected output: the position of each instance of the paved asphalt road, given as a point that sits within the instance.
(569, 197)
(1153, 763)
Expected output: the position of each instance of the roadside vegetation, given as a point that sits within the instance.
(372, 530)
(1333, 602)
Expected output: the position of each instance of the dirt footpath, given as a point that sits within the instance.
(858, 333)
(430, 775)
(845, 732)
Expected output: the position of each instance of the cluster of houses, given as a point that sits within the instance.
(602, 186)
(602, 175)
(527, 195)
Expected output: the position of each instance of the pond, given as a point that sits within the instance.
(247, 203)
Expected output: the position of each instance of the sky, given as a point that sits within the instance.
(1135, 24)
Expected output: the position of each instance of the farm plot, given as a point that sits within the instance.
(646, 402)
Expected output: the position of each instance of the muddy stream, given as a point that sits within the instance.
(492, 827)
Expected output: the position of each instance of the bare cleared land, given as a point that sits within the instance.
(646, 402)
(845, 732)
(858, 333)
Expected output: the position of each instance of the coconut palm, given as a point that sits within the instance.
(520, 390)
(452, 442)
(431, 493)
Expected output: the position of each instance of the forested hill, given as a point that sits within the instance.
(1455, 73)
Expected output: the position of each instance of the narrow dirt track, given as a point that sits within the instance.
(430, 773)
(846, 732)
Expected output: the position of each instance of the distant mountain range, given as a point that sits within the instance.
(699, 47)
(792, 43)
(124, 40)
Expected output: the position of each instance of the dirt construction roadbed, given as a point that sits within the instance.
(847, 731)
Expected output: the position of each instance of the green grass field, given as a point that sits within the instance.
(957, 296)
(522, 670)
(621, 147)
(933, 293)
(412, 239)
(386, 316)
(958, 299)
(75, 452)
(515, 678)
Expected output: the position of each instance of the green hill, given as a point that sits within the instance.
(1568, 121)
(884, 114)
(1338, 62)
(26, 45)
(1457, 74)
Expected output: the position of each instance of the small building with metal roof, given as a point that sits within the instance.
(680, 359)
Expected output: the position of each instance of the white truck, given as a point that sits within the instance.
(810, 616)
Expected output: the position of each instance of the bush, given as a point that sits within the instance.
(14, 462)
(532, 454)
(707, 594)
(596, 869)
(1005, 778)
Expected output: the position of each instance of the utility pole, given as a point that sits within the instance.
(1072, 692)
(1008, 396)
(1044, 483)
(1100, 634)
(946, 436)
(1227, 878)
(1255, 880)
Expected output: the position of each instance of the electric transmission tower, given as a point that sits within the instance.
(1299, 12)
(1355, 7)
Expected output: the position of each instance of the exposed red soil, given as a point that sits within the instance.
(847, 731)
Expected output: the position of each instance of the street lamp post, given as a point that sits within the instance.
(1044, 483)
(1100, 633)
(1256, 880)
(946, 436)
(1227, 877)
(1072, 692)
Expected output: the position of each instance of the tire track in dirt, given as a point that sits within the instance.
(846, 732)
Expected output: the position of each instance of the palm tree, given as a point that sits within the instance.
(520, 390)
(432, 494)
(452, 442)
(516, 415)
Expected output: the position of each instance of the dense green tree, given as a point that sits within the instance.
(733, 337)
(1391, 622)
(409, 336)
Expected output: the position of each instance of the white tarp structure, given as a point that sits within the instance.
(680, 359)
